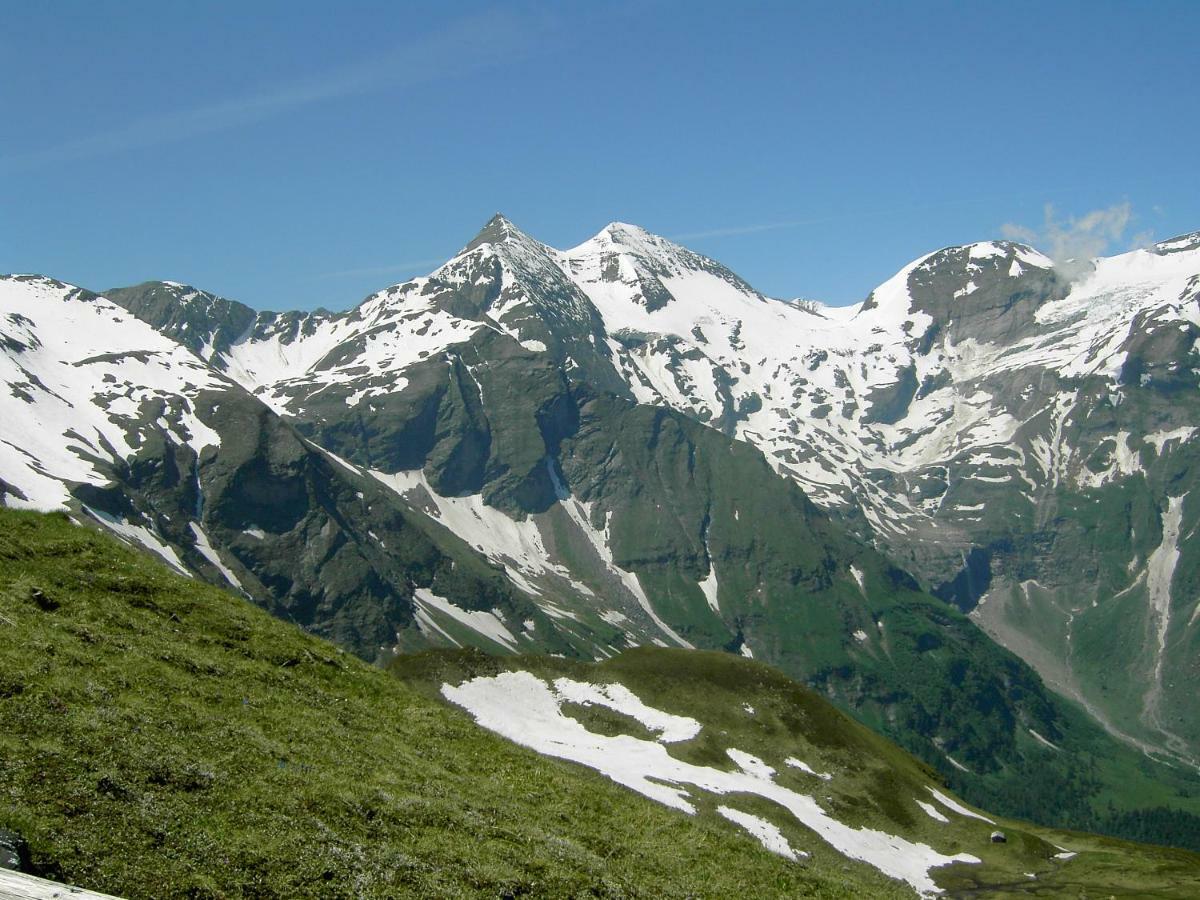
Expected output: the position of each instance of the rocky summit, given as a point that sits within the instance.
(959, 509)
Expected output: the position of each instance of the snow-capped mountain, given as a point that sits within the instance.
(974, 409)
(123, 426)
(953, 417)
(580, 451)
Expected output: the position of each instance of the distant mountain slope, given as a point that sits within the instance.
(1020, 441)
(105, 416)
(161, 738)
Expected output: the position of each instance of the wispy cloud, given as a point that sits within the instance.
(403, 268)
(466, 46)
(741, 229)
(855, 216)
(1074, 242)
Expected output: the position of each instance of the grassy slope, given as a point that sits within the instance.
(875, 783)
(162, 738)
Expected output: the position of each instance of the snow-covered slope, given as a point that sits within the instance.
(104, 416)
(85, 386)
(826, 393)
(969, 410)
(910, 382)
(503, 281)
(839, 399)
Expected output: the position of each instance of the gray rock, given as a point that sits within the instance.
(14, 851)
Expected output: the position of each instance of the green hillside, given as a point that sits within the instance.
(162, 738)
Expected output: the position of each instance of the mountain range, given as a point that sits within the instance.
(958, 509)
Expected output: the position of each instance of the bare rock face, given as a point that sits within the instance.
(989, 293)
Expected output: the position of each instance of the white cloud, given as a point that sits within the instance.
(1075, 241)
(739, 229)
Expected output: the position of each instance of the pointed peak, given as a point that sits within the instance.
(632, 235)
(502, 241)
(633, 239)
(498, 230)
(615, 229)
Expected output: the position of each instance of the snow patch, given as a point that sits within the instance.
(750, 764)
(671, 728)
(1043, 741)
(205, 548)
(857, 574)
(1160, 570)
(516, 545)
(526, 710)
(954, 806)
(709, 587)
(141, 535)
(932, 811)
(954, 762)
(485, 623)
(806, 768)
(1160, 439)
(767, 834)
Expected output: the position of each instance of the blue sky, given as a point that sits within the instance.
(291, 155)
